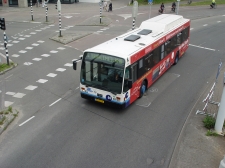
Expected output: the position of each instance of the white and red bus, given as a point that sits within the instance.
(119, 71)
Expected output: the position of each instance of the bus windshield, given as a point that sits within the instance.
(102, 71)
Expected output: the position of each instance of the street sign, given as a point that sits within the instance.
(135, 9)
(59, 6)
(150, 1)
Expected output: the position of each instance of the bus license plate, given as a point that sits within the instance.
(99, 100)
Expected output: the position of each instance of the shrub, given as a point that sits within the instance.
(211, 133)
(2, 120)
(209, 122)
(10, 108)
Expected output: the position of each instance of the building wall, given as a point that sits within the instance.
(22, 3)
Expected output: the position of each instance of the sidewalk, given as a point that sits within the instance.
(193, 149)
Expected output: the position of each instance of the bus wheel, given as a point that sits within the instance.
(143, 89)
(176, 59)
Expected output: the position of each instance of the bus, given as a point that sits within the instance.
(119, 71)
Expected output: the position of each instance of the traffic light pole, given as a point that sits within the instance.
(6, 50)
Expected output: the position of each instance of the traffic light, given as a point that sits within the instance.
(2, 23)
(55, 6)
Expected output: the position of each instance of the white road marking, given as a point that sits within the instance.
(55, 102)
(15, 41)
(28, 63)
(42, 81)
(27, 35)
(21, 38)
(27, 121)
(53, 51)
(9, 76)
(29, 48)
(15, 55)
(35, 44)
(37, 59)
(61, 48)
(60, 69)
(19, 95)
(22, 51)
(68, 64)
(45, 55)
(30, 87)
(33, 33)
(10, 93)
(218, 21)
(205, 25)
(8, 103)
(52, 75)
(40, 41)
(68, 17)
(202, 47)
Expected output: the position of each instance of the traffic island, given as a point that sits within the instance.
(4, 67)
(69, 37)
(6, 117)
(95, 21)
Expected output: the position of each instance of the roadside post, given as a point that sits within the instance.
(134, 13)
(3, 27)
(46, 12)
(178, 4)
(100, 4)
(150, 4)
(31, 10)
(221, 113)
(58, 7)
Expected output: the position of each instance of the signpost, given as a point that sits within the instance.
(150, 3)
(134, 13)
(178, 2)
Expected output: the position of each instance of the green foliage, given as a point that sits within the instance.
(4, 66)
(209, 122)
(6, 112)
(10, 109)
(2, 120)
(211, 133)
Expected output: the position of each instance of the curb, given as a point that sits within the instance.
(9, 119)
(14, 65)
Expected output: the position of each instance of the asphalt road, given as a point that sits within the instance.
(56, 128)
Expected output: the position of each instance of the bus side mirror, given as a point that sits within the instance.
(130, 83)
(75, 65)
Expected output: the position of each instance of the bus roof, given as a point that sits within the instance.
(133, 41)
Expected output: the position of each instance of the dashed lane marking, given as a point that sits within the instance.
(52, 75)
(27, 121)
(30, 87)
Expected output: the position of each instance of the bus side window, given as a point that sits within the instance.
(179, 38)
(162, 51)
(134, 72)
(156, 55)
(148, 62)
